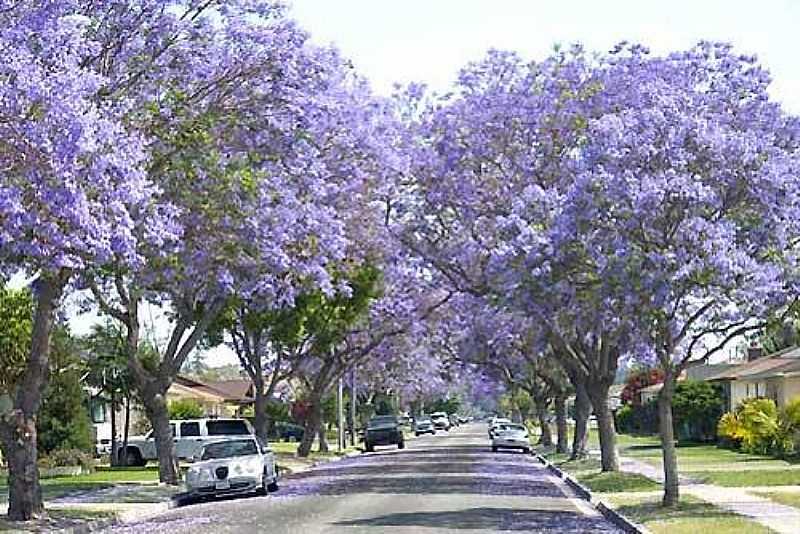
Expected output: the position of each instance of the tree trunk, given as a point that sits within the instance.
(126, 430)
(667, 434)
(311, 427)
(19, 426)
(156, 408)
(323, 439)
(546, 439)
(260, 411)
(562, 440)
(114, 460)
(598, 394)
(582, 408)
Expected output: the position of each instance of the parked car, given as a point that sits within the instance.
(189, 434)
(496, 423)
(232, 466)
(511, 436)
(283, 431)
(440, 421)
(423, 425)
(383, 430)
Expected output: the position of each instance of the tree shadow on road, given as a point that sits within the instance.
(490, 519)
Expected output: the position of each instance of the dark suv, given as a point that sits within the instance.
(383, 430)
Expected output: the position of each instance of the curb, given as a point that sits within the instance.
(584, 493)
(93, 526)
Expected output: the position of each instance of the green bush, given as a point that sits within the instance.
(186, 409)
(755, 425)
(67, 458)
(63, 421)
(696, 408)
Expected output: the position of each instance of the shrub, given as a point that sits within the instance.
(68, 458)
(729, 430)
(759, 420)
(788, 436)
(696, 408)
(185, 409)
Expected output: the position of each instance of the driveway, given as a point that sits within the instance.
(448, 483)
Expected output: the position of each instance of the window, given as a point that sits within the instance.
(230, 449)
(98, 409)
(228, 427)
(190, 429)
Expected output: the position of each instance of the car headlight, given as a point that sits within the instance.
(199, 474)
(249, 467)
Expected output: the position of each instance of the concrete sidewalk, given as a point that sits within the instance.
(779, 517)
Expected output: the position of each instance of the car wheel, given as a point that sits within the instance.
(416, 434)
(272, 487)
(494, 449)
(262, 490)
(401, 445)
(134, 458)
(369, 447)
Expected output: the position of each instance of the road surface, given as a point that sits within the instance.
(448, 483)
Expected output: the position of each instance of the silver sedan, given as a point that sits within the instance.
(231, 466)
(511, 436)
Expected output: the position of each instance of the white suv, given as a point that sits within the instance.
(189, 434)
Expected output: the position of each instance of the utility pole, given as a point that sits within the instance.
(353, 406)
(340, 414)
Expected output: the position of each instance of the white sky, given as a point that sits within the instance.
(428, 41)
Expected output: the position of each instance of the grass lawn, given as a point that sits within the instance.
(588, 473)
(789, 498)
(103, 477)
(749, 477)
(690, 516)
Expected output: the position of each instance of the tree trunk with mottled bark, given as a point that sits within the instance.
(562, 439)
(667, 434)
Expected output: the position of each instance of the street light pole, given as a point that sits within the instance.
(353, 406)
(340, 410)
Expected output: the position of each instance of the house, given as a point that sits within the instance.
(698, 372)
(775, 376)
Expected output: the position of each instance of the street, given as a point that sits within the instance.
(444, 483)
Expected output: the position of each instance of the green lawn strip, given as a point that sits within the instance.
(789, 498)
(749, 477)
(587, 472)
(690, 516)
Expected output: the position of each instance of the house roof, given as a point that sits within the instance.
(233, 389)
(227, 390)
(778, 364)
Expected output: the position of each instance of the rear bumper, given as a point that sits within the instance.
(511, 443)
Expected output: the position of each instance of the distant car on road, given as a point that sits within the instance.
(495, 424)
(424, 425)
(511, 436)
(383, 430)
(284, 431)
(232, 466)
(440, 421)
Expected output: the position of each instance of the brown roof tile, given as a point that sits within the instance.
(785, 361)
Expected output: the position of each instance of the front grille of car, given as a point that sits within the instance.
(222, 472)
(235, 486)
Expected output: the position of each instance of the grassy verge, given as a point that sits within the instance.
(692, 515)
(789, 498)
(588, 473)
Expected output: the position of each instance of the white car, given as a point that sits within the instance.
(511, 436)
(496, 423)
(232, 466)
(440, 421)
(189, 436)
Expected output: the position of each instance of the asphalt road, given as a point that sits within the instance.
(448, 483)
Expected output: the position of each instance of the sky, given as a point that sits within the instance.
(428, 41)
(400, 41)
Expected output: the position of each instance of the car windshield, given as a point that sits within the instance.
(423, 421)
(501, 421)
(230, 449)
(512, 428)
(438, 415)
(377, 422)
